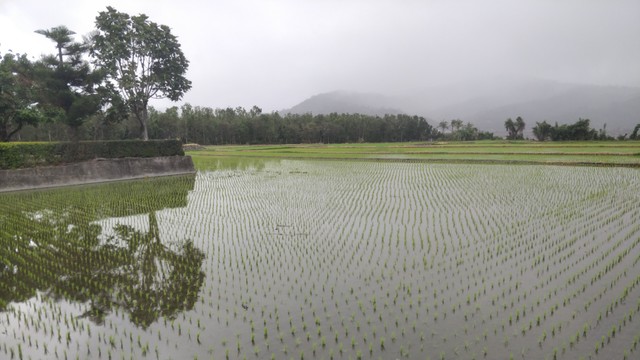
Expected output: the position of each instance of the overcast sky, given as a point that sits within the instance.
(275, 54)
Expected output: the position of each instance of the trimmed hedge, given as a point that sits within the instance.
(23, 155)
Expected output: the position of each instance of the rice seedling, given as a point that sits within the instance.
(479, 255)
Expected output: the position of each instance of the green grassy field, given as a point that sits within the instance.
(526, 152)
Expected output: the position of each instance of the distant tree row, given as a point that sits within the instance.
(207, 126)
(580, 130)
(240, 126)
(461, 131)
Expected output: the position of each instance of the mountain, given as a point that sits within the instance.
(487, 104)
(618, 108)
(345, 102)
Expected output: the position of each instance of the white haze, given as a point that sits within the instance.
(275, 54)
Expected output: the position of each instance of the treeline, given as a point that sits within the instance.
(580, 130)
(207, 126)
(204, 125)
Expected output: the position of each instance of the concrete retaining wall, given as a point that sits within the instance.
(94, 171)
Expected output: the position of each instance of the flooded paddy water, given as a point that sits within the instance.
(326, 259)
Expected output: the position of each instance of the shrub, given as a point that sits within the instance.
(23, 155)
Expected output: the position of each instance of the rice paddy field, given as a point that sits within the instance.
(275, 258)
(590, 153)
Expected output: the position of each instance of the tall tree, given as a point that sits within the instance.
(519, 127)
(542, 131)
(142, 59)
(68, 86)
(456, 124)
(18, 95)
(62, 36)
(443, 125)
(467, 132)
(510, 126)
(634, 134)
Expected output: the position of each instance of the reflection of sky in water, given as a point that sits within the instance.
(40, 307)
(137, 222)
(204, 163)
(170, 235)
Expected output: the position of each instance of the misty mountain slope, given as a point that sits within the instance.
(618, 107)
(345, 102)
(627, 111)
(487, 104)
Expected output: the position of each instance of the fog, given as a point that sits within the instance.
(275, 54)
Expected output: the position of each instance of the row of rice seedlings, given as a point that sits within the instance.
(352, 260)
(391, 240)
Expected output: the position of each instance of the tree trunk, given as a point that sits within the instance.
(74, 134)
(3, 134)
(143, 123)
(6, 134)
(60, 56)
(154, 230)
(142, 115)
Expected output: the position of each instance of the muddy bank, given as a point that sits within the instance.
(94, 171)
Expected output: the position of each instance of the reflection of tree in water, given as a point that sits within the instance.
(157, 280)
(233, 163)
(145, 278)
(62, 254)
